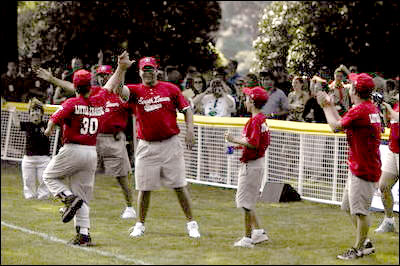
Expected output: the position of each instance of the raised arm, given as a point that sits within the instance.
(14, 117)
(118, 77)
(331, 114)
(46, 75)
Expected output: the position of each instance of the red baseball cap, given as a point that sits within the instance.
(148, 61)
(82, 77)
(362, 82)
(258, 94)
(104, 69)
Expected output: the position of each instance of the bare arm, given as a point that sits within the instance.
(46, 75)
(50, 127)
(15, 117)
(240, 141)
(119, 75)
(189, 139)
(331, 114)
(392, 114)
(200, 96)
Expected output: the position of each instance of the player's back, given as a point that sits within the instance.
(81, 119)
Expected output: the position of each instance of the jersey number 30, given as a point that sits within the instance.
(89, 125)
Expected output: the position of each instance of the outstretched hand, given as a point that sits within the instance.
(324, 99)
(124, 62)
(43, 73)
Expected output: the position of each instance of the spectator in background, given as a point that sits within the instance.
(11, 84)
(215, 100)
(173, 75)
(35, 87)
(220, 73)
(37, 150)
(277, 106)
(340, 91)
(188, 80)
(312, 110)
(241, 110)
(160, 75)
(199, 86)
(380, 83)
(251, 80)
(232, 74)
(297, 99)
(391, 89)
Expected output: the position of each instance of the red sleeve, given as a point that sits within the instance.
(354, 117)
(180, 100)
(132, 92)
(63, 112)
(254, 133)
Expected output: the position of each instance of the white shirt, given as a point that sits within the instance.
(223, 106)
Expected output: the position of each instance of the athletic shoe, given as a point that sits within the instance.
(385, 227)
(72, 204)
(258, 236)
(137, 230)
(193, 229)
(245, 242)
(368, 248)
(81, 240)
(350, 254)
(129, 213)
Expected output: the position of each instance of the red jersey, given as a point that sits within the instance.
(116, 113)
(155, 109)
(394, 133)
(362, 125)
(80, 119)
(257, 134)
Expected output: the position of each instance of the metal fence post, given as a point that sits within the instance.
(335, 168)
(199, 146)
(301, 165)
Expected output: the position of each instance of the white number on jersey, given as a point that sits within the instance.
(374, 118)
(89, 125)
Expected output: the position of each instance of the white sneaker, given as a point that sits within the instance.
(193, 229)
(258, 236)
(244, 242)
(137, 230)
(385, 227)
(129, 213)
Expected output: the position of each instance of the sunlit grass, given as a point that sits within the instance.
(300, 232)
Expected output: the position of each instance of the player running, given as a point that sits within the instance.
(159, 154)
(255, 140)
(111, 140)
(80, 118)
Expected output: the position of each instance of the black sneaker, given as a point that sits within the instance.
(81, 240)
(368, 248)
(350, 254)
(72, 204)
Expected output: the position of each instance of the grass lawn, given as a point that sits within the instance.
(300, 232)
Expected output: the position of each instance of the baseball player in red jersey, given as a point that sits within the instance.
(111, 140)
(255, 140)
(159, 155)
(80, 118)
(390, 171)
(362, 125)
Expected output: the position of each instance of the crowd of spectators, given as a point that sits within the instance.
(217, 93)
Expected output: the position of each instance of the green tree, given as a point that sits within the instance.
(177, 33)
(301, 37)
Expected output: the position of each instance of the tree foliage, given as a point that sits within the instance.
(175, 32)
(302, 36)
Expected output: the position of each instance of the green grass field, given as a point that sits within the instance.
(301, 232)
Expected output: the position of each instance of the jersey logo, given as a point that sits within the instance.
(374, 118)
(153, 103)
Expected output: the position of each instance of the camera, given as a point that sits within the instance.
(377, 98)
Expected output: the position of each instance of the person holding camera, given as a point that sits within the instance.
(215, 100)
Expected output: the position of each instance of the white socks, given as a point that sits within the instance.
(84, 231)
(389, 220)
